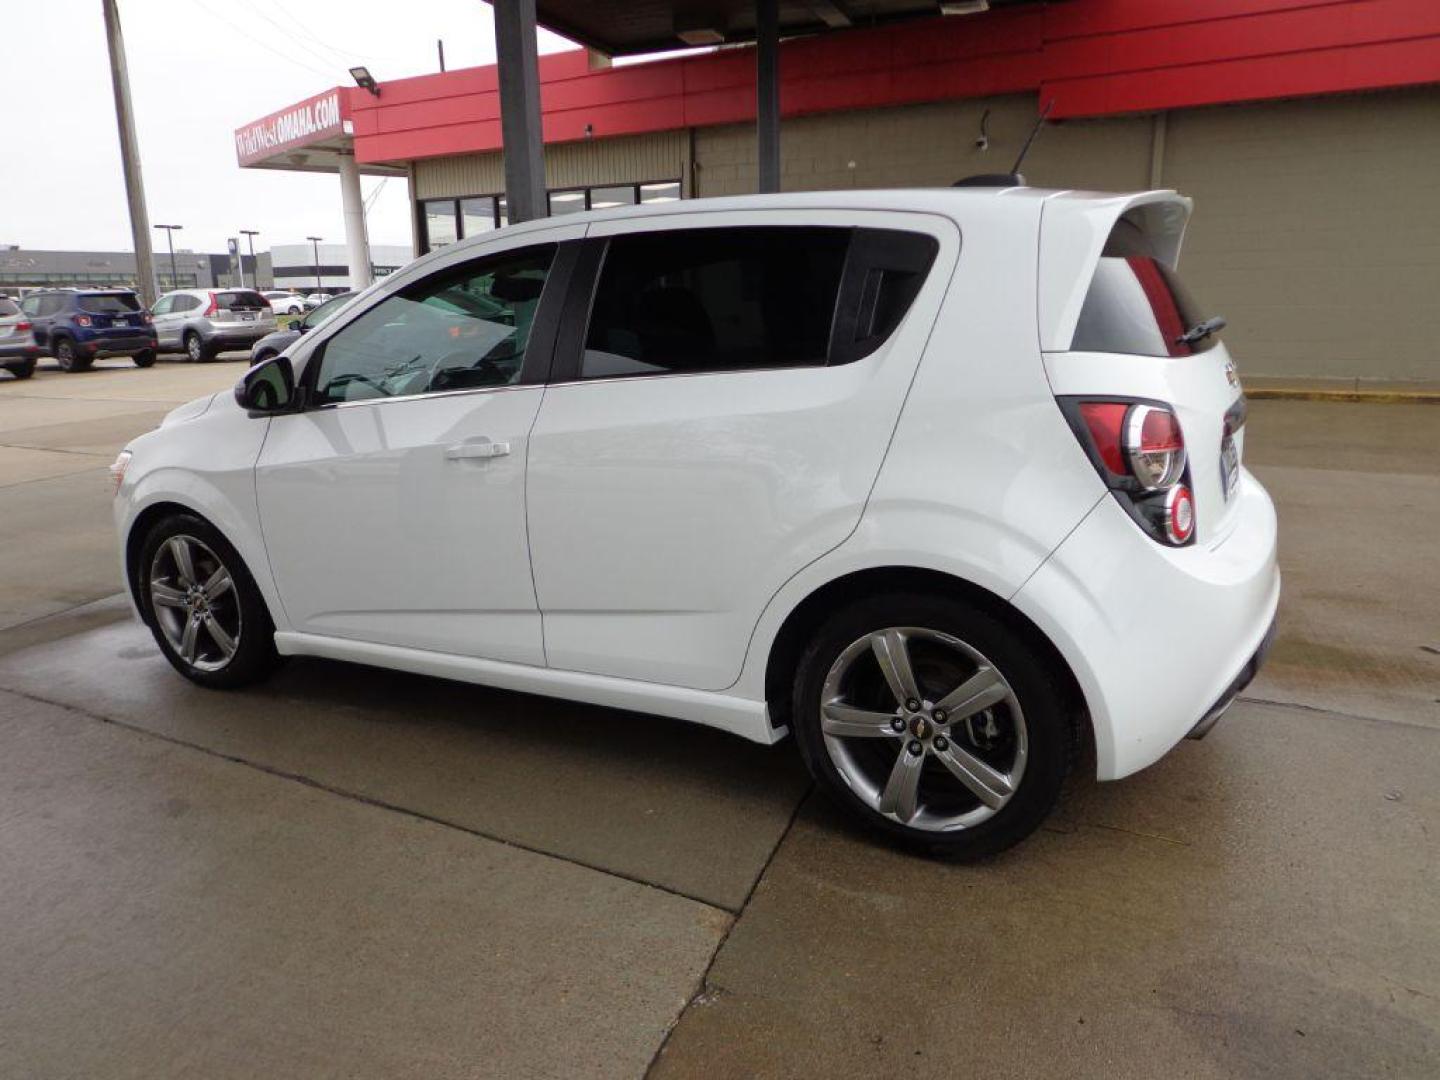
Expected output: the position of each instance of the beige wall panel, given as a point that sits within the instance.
(1317, 231)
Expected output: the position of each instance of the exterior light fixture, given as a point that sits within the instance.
(963, 7)
(365, 80)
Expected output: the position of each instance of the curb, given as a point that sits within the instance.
(1374, 397)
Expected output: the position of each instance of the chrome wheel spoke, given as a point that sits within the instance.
(217, 633)
(991, 787)
(901, 795)
(893, 656)
(847, 721)
(162, 595)
(982, 690)
(184, 563)
(190, 640)
(218, 585)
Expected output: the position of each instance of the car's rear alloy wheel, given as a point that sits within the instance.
(936, 742)
(67, 356)
(195, 604)
(203, 607)
(934, 723)
(195, 348)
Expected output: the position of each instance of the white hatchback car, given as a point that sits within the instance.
(947, 483)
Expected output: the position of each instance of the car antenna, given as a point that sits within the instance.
(1013, 178)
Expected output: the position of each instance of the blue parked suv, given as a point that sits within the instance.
(77, 326)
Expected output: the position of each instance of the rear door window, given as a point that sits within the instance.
(693, 300)
(741, 299)
(109, 303)
(1136, 303)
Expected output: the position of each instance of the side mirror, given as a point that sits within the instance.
(268, 387)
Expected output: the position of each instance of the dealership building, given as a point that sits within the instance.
(1307, 131)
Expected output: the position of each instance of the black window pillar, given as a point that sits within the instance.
(767, 94)
(519, 72)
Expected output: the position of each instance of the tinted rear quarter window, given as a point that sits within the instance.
(8, 306)
(109, 303)
(1136, 304)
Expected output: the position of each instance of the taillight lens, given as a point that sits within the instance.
(1154, 446)
(23, 327)
(147, 318)
(1138, 448)
(213, 306)
(82, 320)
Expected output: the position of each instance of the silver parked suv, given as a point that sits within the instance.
(202, 322)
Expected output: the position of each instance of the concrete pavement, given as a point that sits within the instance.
(352, 872)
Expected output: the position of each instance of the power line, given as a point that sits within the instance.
(260, 41)
(345, 55)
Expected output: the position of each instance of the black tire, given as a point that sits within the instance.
(23, 370)
(68, 357)
(1047, 723)
(196, 349)
(145, 359)
(254, 656)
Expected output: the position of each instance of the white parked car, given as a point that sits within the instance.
(946, 483)
(287, 303)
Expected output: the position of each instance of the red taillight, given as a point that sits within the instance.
(82, 320)
(1179, 515)
(1155, 446)
(213, 308)
(1106, 423)
(23, 327)
(1138, 448)
(147, 318)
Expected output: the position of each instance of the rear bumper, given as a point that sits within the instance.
(15, 354)
(235, 337)
(116, 344)
(1160, 639)
(1236, 688)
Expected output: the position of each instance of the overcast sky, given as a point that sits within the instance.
(199, 69)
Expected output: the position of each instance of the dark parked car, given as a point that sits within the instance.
(276, 343)
(77, 326)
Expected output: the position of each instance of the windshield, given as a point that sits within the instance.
(325, 310)
(109, 303)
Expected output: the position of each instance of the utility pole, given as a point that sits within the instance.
(170, 231)
(315, 246)
(130, 156)
(250, 235)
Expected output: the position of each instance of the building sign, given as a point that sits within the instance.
(310, 121)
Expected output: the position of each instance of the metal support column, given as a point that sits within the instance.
(130, 158)
(357, 239)
(767, 94)
(519, 72)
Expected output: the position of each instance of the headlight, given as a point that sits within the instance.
(117, 469)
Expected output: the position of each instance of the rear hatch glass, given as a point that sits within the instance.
(109, 303)
(241, 300)
(1137, 304)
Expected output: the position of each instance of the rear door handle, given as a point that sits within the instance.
(476, 448)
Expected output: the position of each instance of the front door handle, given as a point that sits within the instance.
(476, 448)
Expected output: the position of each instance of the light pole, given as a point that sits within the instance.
(315, 246)
(250, 235)
(170, 242)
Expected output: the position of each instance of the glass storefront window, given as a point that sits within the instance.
(502, 212)
(602, 198)
(566, 202)
(440, 223)
(477, 216)
(653, 193)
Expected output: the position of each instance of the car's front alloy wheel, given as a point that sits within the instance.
(193, 597)
(203, 607)
(935, 724)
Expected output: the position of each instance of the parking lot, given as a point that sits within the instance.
(351, 872)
